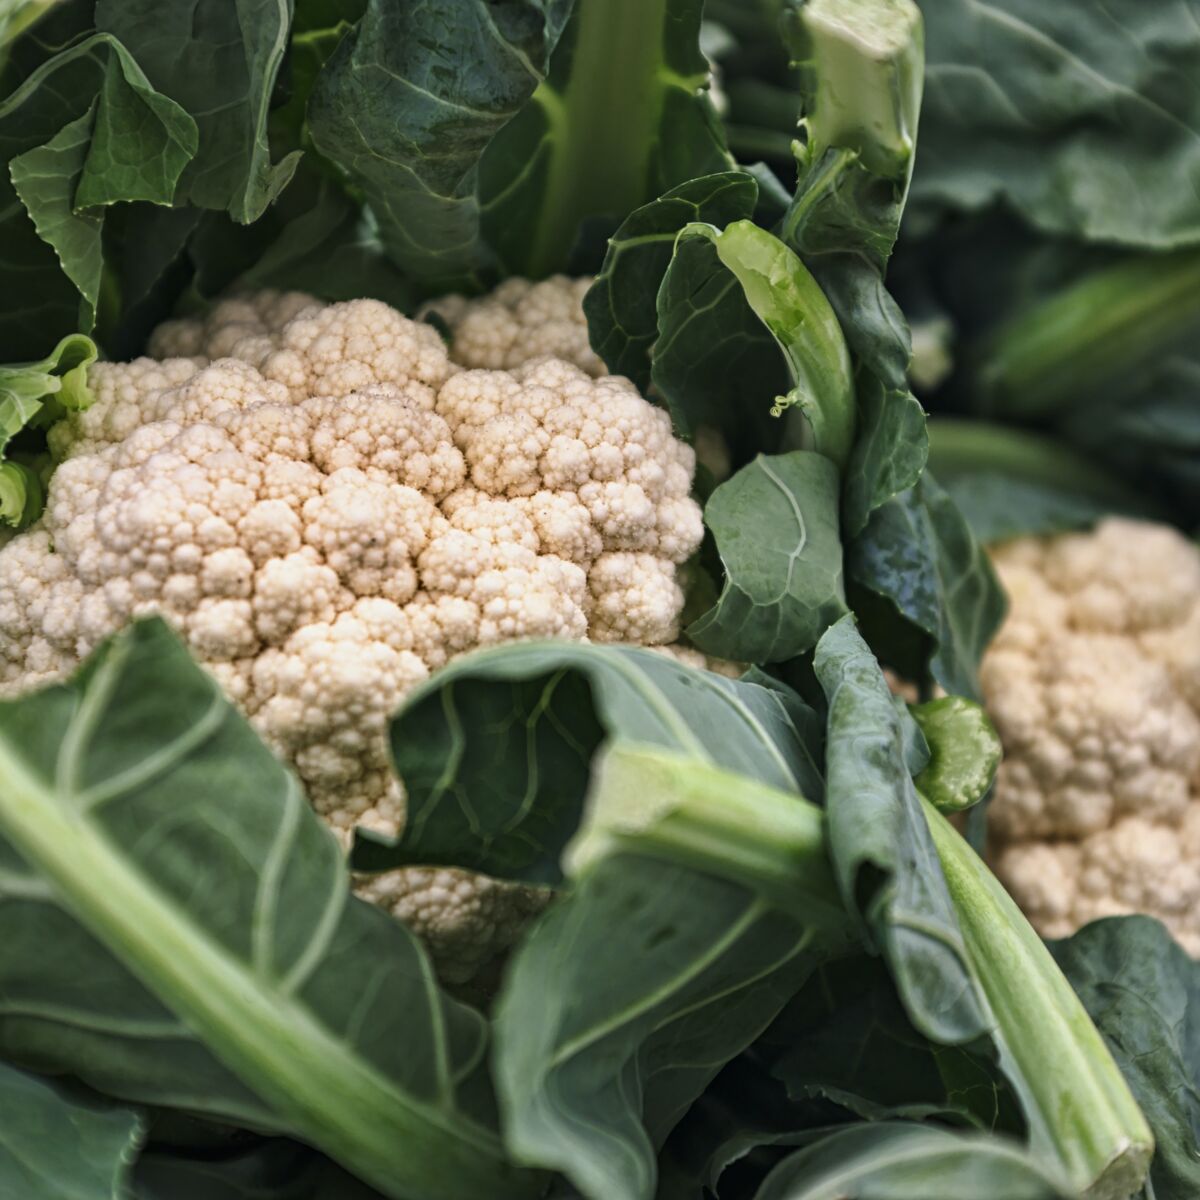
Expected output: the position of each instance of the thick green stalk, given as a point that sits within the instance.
(863, 66)
(1080, 1110)
(404, 1147)
(1069, 346)
(686, 810)
(611, 104)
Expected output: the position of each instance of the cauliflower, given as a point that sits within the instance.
(1094, 686)
(326, 509)
(518, 322)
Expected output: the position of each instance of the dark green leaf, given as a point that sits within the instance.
(715, 362)
(495, 750)
(602, 1042)
(846, 1036)
(918, 553)
(59, 1146)
(889, 454)
(883, 854)
(776, 527)
(620, 307)
(407, 104)
(85, 128)
(1143, 992)
(1074, 115)
(787, 300)
(190, 49)
(179, 930)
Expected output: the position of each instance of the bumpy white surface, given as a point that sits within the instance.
(332, 511)
(518, 322)
(1094, 685)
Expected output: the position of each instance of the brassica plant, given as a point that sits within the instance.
(404, 795)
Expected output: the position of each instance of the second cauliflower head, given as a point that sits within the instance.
(327, 508)
(1094, 686)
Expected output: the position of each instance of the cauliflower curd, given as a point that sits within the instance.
(327, 508)
(1094, 686)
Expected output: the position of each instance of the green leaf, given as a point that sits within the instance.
(776, 527)
(603, 1041)
(715, 362)
(883, 854)
(918, 553)
(32, 394)
(788, 301)
(889, 454)
(896, 1161)
(21, 496)
(407, 104)
(964, 752)
(495, 750)
(845, 1036)
(59, 1146)
(40, 392)
(179, 931)
(1143, 992)
(84, 129)
(1075, 119)
(188, 47)
(620, 306)
(622, 117)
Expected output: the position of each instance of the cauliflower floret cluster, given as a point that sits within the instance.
(327, 508)
(518, 322)
(1094, 686)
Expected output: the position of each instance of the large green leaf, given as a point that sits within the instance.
(188, 47)
(623, 1003)
(495, 750)
(179, 930)
(776, 527)
(86, 129)
(59, 1146)
(621, 118)
(1143, 992)
(882, 850)
(918, 554)
(407, 104)
(1073, 114)
(897, 1161)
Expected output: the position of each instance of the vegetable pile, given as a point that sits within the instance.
(495, 703)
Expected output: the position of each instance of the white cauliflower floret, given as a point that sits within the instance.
(326, 509)
(465, 919)
(518, 322)
(244, 327)
(1091, 683)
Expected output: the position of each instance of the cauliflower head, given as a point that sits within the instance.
(327, 508)
(1093, 683)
